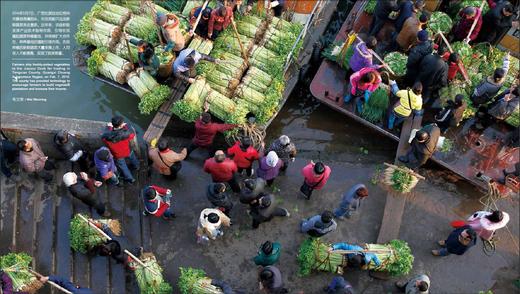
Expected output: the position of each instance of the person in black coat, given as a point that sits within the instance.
(219, 198)
(417, 53)
(451, 115)
(423, 146)
(266, 210)
(433, 74)
(381, 13)
(8, 155)
(114, 249)
(84, 189)
(496, 22)
(406, 10)
(72, 149)
(253, 188)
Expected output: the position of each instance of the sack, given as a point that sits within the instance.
(306, 189)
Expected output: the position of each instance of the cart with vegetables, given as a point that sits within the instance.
(395, 256)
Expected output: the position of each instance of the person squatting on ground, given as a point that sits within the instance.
(205, 132)
(419, 284)
(285, 150)
(315, 177)
(114, 249)
(269, 167)
(485, 223)
(118, 137)
(410, 101)
(84, 189)
(423, 146)
(243, 154)
(106, 169)
(458, 242)
(222, 170)
(219, 197)
(356, 260)
(268, 254)
(270, 280)
(351, 201)
(362, 84)
(210, 224)
(157, 202)
(319, 225)
(339, 285)
(72, 149)
(33, 160)
(266, 210)
(166, 161)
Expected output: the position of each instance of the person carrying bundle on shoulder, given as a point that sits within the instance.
(66, 284)
(157, 202)
(359, 259)
(462, 28)
(184, 66)
(489, 87)
(146, 57)
(170, 31)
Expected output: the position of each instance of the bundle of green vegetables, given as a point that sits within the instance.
(247, 29)
(156, 95)
(395, 257)
(196, 3)
(190, 107)
(370, 6)
(265, 59)
(335, 53)
(220, 105)
(148, 281)
(16, 266)
(121, 50)
(143, 27)
(194, 281)
(400, 179)
(514, 119)
(280, 41)
(82, 236)
(257, 79)
(397, 62)
(228, 42)
(165, 56)
(447, 146)
(172, 5)
(439, 21)
(109, 65)
(111, 13)
(201, 45)
(465, 52)
(90, 30)
(377, 105)
(456, 6)
(254, 20)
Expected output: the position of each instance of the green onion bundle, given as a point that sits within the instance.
(314, 255)
(111, 13)
(82, 236)
(220, 105)
(148, 281)
(400, 179)
(152, 100)
(247, 29)
(375, 109)
(93, 31)
(201, 45)
(143, 28)
(194, 281)
(16, 266)
(121, 50)
(227, 42)
(137, 85)
(397, 62)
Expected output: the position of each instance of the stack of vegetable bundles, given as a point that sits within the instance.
(84, 238)
(109, 65)
(94, 31)
(194, 281)
(16, 266)
(148, 281)
(395, 256)
(152, 94)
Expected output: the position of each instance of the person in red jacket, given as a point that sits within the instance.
(219, 20)
(117, 137)
(243, 154)
(453, 64)
(222, 170)
(461, 30)
(157, 202)
(315, 176)
(205, 132)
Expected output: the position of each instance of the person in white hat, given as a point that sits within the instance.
(269, 167)
(210, 224)
(84, 189)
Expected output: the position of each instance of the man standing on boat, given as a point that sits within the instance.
(202, 26)
(146, 57)
(219, 20)
(184, 65)
(205, 132)
(170, 31)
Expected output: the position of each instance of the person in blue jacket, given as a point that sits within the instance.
(354, 258)
(66, 284)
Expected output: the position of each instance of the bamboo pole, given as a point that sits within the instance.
(130, 57)
(362, 251)
(406, 170)
(50, 282)
(192, 31)
(244, 53)
(108, 237)
(460, 64)
(378, 57)
(474, 24)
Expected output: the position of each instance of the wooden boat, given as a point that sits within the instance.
(476, 156)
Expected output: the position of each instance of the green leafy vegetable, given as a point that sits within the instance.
(439, 21)
(370, 6)
(397, 62)
(16, 266)
(148, 281)
(82, 236)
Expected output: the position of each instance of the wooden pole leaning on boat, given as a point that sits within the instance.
(192, 31)
(38, 275)
(130, 57)
(460, 64)
(474, 24)
(244, 53)
(378, 57)
(108, 237)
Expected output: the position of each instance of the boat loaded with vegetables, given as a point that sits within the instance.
(466, 152)
(249, 82)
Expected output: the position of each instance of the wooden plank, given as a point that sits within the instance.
(99, 265)
(81, 264)
(45, 224)
(394, 206)
(25, 218)
(8, 208)
(117, 271)
(63, 217)
(132, 222)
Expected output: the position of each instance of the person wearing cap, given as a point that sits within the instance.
(268, 254)
(433, 75)
(146, 57)
(319, 225)
(315, 177)
(210, 224)
(106, 169)
(338, 285)
(219, 197)
(166, 161)
(351, 201)
(362, 84)
(170, 31)
(285, 150)
(496, 22)
(489, 87)
(451, 114)
(458, 242)
(184, 65)
(423, 48)
(157, 202)
(407, 9)
(33, 160)
(222, 170)
(205, 132)
(407, 37)
(462, 28)
(202, 27)
(410, 101)
(243, 154)
(380, 16)
(269, 167)
(266, 210)
(253, 189)
(219, 20)
(423, 146)
(362, 56)
(270, 280)
(84, 189)
(72, 149)
(118, 137)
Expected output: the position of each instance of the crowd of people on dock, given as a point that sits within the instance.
(250, 171)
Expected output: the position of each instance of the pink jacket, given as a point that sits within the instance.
(355, 77)
(484, 227)
(312, 180)
(33, 161)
